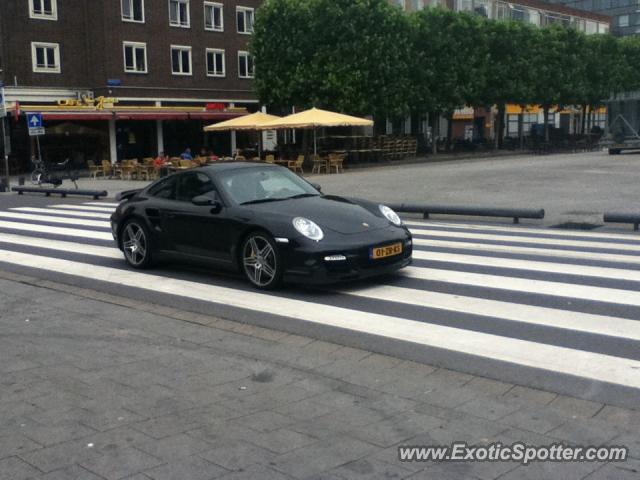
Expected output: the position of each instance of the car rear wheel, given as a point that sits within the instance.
(136, 245)
(261, 262)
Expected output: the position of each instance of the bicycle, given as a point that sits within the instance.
(55, 176)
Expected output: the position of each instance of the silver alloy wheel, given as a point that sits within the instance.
(259, 261)
(134, 243)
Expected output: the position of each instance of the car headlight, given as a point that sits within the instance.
(308, 228)
(390, 215)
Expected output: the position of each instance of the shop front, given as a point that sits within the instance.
(107, 129)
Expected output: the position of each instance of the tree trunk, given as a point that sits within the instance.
(583, 119)
(496, 130)
(521, 128)
(546, 123)
(501, 124)
(449, 130)
(435, 127)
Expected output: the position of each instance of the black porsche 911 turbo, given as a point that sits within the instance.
(261, 220)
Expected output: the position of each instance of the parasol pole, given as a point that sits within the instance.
(315, 153)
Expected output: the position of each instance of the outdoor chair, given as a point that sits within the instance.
(185, 164)
(107, 168)
(336, 161)
(295, 165)
(318, 164)
(270, 159)
(94, 170)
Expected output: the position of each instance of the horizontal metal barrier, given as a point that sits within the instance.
(426, 210)
(96, 194)
(633, 218)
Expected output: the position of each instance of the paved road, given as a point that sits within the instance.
(552, 309)
(575, 187)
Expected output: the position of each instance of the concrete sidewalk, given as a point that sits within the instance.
(99, 387)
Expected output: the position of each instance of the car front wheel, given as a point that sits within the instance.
(261, 261)
(136, 245)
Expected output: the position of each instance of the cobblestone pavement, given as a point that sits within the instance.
(98, 387)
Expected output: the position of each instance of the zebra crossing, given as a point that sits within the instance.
(546, 308)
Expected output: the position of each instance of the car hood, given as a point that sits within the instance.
(334, 213)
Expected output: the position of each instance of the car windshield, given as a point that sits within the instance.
(264, 184)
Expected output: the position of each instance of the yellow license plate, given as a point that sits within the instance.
(386, 251)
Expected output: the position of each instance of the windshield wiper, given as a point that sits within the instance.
(262, 200)
(303, 195)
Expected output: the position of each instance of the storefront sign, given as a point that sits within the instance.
(99, 103)
(216, 106)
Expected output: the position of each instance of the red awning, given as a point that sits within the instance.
(76, 116)
(139, 115)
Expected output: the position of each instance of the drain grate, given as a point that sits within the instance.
(577, 226)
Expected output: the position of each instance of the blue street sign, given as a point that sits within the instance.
(34, 120)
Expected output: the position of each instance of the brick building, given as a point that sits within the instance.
(125, 78)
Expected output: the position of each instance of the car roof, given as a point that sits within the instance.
(230, 165)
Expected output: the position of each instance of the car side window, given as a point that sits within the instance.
(193, 184)
(164, 189)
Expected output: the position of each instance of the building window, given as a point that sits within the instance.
(213, 19)
(245, 65)
(43, 9)
(244, 18)
(135, 57)
(179, 13)
(623, 21)
(180, 60)
(215, 62)
(45, 57)
(534, 17)
(132, 11)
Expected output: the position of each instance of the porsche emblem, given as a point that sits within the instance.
(365, 224)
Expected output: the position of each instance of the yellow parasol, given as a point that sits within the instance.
(314, 118)
(246, 122)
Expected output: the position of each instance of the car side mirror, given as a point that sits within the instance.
(316, 186)
(202, 200)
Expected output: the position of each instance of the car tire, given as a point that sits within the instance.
(136, 244)
(260, 261)
(614, 151)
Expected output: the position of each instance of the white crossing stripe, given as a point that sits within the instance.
(61, 246)
(529, 230)
(83, 208)
(525, 239)
(546, 252)
(525, 285)
(105, 204)
(54, 219)
(531, 265)
(588, 365)
(548, 317)
(70, 232)
(63, 212)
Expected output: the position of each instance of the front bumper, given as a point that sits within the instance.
(305, 261)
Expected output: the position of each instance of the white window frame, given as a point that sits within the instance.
(134, 45)
(44, 16)
(244, 11)
(214, 5)
(244, 53)
(224, 62)
(182, 48)
(188, 10)
(132, 20)
(56, 57)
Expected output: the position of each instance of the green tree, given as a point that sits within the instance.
(449, 64)
(510, 47)
(347, 55)
(559, 69)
